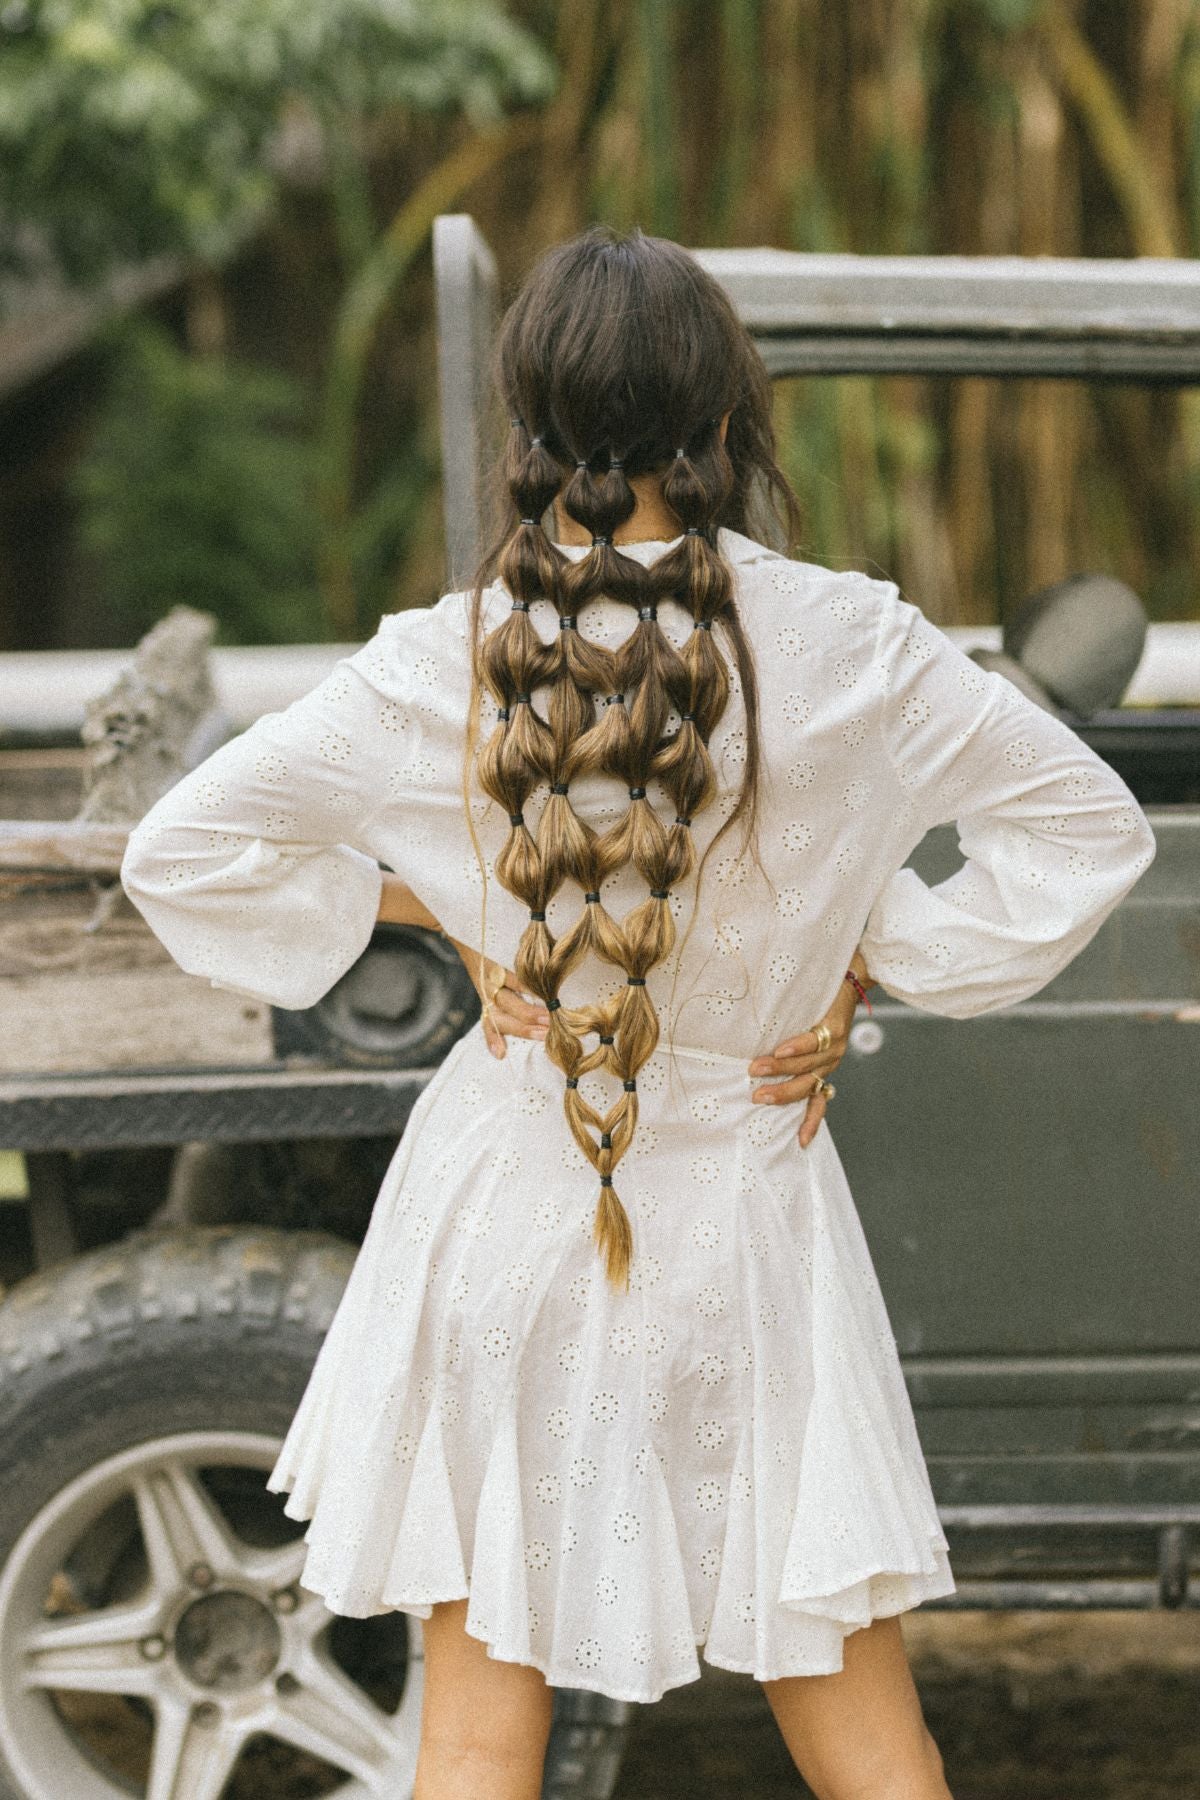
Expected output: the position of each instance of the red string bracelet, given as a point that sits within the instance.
(858, 987)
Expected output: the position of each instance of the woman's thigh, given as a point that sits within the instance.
(484, 1722)
(861, 1734)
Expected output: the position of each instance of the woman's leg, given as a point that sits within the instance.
(860, 1734)
(484, 1723)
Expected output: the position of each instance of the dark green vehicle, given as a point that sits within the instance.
(200, 1169)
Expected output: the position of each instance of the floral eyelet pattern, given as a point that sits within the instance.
(623, 1477)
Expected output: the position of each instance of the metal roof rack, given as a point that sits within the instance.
(1066, 317)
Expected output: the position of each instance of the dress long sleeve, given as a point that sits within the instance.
(1052, 837)
(258, 869)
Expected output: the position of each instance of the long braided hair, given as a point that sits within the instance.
(620, 357)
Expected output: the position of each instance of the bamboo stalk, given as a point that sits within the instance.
(358, 318)
(1110, 132)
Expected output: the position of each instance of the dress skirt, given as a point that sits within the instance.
(721, 1459)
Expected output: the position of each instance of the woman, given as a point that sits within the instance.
(612, 1379)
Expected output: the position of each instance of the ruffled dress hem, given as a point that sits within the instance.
(932, 1580)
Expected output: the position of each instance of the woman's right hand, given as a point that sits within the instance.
(506, 1011)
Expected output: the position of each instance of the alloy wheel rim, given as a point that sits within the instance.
(222, 1643)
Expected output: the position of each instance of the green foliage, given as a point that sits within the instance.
(130, 128)
(197, 487)
(1008, 15)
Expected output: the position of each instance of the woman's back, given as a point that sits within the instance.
(874, 727)
(259, 869)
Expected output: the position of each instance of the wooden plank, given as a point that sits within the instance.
(68, 844)
(44, 783)
(85, 984)
(102, 1018)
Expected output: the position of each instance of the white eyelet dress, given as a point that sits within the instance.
(724, 1457)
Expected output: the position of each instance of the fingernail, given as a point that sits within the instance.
(543, 1018)
(539, 1031)
(759, 1066)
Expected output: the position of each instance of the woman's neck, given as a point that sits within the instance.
(652, 519)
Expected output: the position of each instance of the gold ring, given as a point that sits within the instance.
(490, 993)
(824, 1088)
(499, 970)
(823, 1036)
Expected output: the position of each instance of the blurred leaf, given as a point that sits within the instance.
(197, 487)
(130, 128)
(1008, 15)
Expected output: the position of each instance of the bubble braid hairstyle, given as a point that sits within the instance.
(619, 357)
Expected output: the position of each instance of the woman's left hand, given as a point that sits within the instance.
(798, 1060)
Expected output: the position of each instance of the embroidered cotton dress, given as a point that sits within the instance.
(724, 1457)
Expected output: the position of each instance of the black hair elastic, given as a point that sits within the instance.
(659, 893)
(529, 521)
(517, 421)
(606, 1140)
(601, 538)
(637, 793)
(614, 699)
(537, 918)
(694, 531)
(572, 1081)
(539, 439)
(679, 455)
(553, 1005)
(680, 820)
(647, 612)
(520, 606)
(502, 712)
(629, 1086)
(521, 699)
(635, 981)
(592, 899)
(516, 818)
(566, 622)
(687, 716)
(606, 1181)
(703, 625)
(616, 462)
(558, 787)
(607, 1040)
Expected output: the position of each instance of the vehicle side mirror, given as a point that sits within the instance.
(1079, 641)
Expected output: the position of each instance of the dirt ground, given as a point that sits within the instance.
(1024, 1706)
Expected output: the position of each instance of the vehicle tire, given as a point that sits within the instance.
(154, 1639)
(401, 1005)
